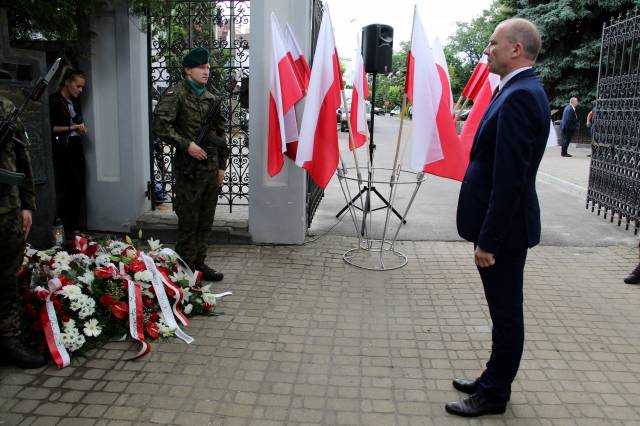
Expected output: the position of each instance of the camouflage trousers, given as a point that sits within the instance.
(10, 258)
(195, 204)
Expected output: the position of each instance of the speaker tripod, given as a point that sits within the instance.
(369, 188)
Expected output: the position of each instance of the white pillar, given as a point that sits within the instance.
(116, 113)
(277, 206)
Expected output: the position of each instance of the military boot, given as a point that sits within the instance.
(14, 352)
(634, 276)
(209, 274)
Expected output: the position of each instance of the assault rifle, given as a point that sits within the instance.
(8, 124)
(202, 140)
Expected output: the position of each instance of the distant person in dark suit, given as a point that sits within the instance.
(498, 207)
(568, 125)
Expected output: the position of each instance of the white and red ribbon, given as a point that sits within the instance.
(52, 328)
(81, 244)
(163, 300)
(136, 318)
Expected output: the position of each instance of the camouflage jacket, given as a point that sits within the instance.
(16, 160)
(177, 120)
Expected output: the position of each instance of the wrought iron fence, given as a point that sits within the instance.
(614, 180)
(314, 192)
(223, 28)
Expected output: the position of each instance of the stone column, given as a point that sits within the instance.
(116, 106)
(277, 206)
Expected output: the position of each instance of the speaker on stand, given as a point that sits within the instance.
(377, 54)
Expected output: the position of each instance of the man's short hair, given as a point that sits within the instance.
(523, 31)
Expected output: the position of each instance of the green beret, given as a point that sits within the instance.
(196, 56)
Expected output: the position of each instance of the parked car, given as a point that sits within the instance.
(338, 115)
(378, 111)
(343, 117)
(395, 111)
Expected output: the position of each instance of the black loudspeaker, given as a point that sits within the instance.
(377, 48)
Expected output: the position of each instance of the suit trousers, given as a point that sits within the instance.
(503, 284)
(566, 140)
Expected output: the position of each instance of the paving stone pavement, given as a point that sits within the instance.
(308, 340)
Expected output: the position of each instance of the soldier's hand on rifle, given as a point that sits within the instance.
(220, 177)
(196, 152)
(26, 222)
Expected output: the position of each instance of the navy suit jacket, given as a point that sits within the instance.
(569, 119)
(498, 205)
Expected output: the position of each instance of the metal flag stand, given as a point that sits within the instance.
(378, 252)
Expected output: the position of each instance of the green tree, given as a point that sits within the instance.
(571, 37)
(464, 48)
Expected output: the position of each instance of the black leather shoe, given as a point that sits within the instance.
(634, 276)
(14, 352)
(209, 274)
(474, 406)
(466, 386)
(567, 155)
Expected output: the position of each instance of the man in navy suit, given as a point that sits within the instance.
(568, 125)
(498, 206)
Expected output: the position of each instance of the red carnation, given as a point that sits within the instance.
(136, 265)
(65, 317)
(106, 300)
(147, 302)
(92, 249)
(104, 272)
(119, 310)
(154, 317)
(151, 329)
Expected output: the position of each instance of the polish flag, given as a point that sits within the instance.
(423, 89)
(456, 155)
(477, 79)
(443, 71)
(480, 105)
(318, 144)
(359, 93)
(284, 92)
(304, 71)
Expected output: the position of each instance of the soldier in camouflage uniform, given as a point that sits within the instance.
(178, 118)
(16, 205)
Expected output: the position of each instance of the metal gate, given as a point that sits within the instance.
(614, 180)
(314, 192)
(223, 28)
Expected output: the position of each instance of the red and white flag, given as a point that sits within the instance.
(423, 89)
(456, 155)
(477, 79)
(318, 143)
(359, 93)
(304, 71)
(284, 92)
(481, 101)
(443, 72)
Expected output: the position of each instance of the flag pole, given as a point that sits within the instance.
(466, 101)
(352, 144)
(404, 108)
(455, 108)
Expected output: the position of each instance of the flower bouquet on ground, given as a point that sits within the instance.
(78, 298)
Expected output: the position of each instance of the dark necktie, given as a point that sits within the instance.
(495, 92)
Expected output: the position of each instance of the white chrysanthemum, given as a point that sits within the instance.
(209, 299)
(81, 258)
(164, 329)
(69, 324)
(186, 293)
(91, 328)
(62, 257)
(103, 259)
(87, 278)
(71, 292)
(143, 276)
(44, 257)
(188, 309)
(154, 244)
(178, 276)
